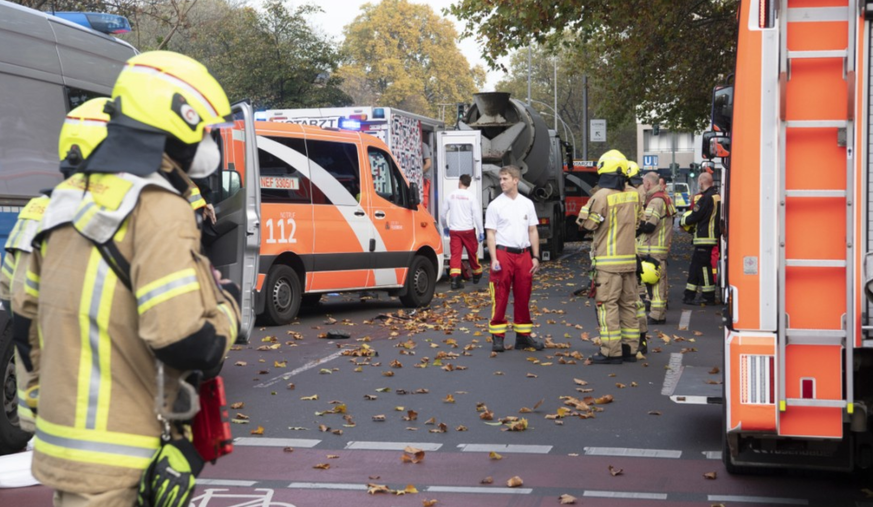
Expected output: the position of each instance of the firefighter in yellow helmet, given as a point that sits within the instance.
(83, 129)
(118, 282)
(613, 213)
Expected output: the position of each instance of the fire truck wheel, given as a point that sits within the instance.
(420, 283)
(283, 295)
(12, 438)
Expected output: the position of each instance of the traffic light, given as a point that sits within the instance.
(694, 168)
(461, 112)
(674, 167)
(656, 129)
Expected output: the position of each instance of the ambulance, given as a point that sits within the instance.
(336, 214)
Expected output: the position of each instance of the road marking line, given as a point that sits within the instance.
(508, 448)
(674, 371)
(635, 453)
(473, 489)
(327, 485)
(303, 443)
(296, 371)
(712, 454)
(685, 320)
(756, 499)
(225, 482)
(391, 446)
(625, 494)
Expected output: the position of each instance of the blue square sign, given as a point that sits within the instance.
(650, 160)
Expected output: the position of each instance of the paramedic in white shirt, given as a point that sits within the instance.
(514, 245)
(462, 216)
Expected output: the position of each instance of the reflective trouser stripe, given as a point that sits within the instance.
(689, 286)
(707, 283)
(522, 328)
(95, 377)
(166, 288)
(90, 446)
(31, 284)
(453, 271)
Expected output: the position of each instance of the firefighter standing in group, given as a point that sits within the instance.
(613, 214)
(97, 431)
(656, 236)
(83, 129)
(514, 242)
(462, 217)
(704, 218)
(635, 182)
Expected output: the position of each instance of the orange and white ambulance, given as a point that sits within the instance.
(336, 214)
(793, 133)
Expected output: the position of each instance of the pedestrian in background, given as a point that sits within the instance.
(613, 214)
(462, 217)
(514, 246)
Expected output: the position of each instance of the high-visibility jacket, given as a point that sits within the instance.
(613, 215)
(706, 218)
(18, 247)
(659, 212)
(96, 428)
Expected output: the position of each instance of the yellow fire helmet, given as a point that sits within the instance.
(689, 227)
(633, 170)
(651, 273)
(83, 129)
(170, 93)
(612, 162)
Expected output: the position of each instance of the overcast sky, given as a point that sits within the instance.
(339, 13)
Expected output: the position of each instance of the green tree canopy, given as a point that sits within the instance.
(401, 54)
(662, 56)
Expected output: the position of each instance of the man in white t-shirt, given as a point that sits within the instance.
(462, 216)
(514, 245)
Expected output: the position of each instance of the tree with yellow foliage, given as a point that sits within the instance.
(401, 54)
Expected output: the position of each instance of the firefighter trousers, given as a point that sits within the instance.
(514, 276)
(113, 498)
(700, 274)
(659, 292)
(617, 298)
(458, 242)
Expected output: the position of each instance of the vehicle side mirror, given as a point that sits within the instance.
(414, 196)
(715, 145)
(723, 108)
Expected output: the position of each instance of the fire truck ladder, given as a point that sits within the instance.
(802, 258)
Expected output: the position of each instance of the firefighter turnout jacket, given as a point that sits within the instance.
(658, 220)
(614, 214)
(706, 216)
(12, 279)
(97, 428)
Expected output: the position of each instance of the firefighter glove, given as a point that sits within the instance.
(169, 479)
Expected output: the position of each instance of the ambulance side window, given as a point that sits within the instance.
(459, 160)
(386, 177)
(339, 160)
(281, 180)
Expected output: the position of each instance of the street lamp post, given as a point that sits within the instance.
(567, 129)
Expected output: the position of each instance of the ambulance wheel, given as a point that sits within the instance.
(284, 295)
(12, 438)
(420, 283)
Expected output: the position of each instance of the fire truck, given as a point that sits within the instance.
(793, 135)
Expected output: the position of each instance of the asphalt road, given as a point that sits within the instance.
(323, 420)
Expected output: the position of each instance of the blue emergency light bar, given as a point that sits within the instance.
(349, 124)
(111, 24)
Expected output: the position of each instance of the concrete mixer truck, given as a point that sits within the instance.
(496, 130)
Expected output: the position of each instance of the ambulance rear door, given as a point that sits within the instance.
(458, 152)
(233, 242)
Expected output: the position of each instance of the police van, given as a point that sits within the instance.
(337, 214)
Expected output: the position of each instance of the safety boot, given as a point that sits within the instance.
(626, 355)
(497, 343)
(524, 341)
(601, 359)
(456, 282)
(477, 277)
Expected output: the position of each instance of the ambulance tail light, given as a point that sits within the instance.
(359, 117)
(757, 379)
(766, 13)
(349, 124)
